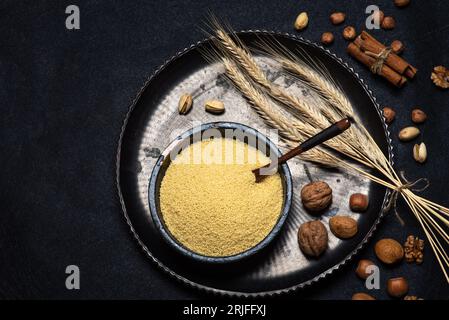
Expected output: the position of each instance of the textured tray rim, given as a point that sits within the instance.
(272, 293)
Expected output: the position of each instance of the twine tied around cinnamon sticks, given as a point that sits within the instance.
(406, 184)
(381, 57)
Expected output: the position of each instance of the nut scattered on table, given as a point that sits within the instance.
(358, 202)
(349, 33)
(412, 298)
(302, 20)
(418, 116)
(413, 248)
(343, 227)
(401, 3)
(362, 268)
(420, 152)
(397, 46)
(327, 38)
(312, 238)
(316, 196)
(185, 103)
(388, 23)
(214, 106)
(337, 18)
(362, 296)
(397, 287)
(440, 77)
(408, 133)
(378, 16)
(389, 251)
(389, 114)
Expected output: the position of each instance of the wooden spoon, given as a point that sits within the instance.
(319, 138)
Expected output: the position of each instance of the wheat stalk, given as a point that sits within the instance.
(321, 82)
(273, 118)
(245, 74)
(312, 118)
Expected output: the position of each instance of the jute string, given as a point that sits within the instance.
(392, 201)
(381, 57)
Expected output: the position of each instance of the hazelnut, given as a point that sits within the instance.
(302, 20)
(362, 267)
(312, 238)
(397, 46)
(349, 33)
(388, 23)
(358, 202)
(418, 116)
(389, 251)
(337, 17)
(401, 3)
(316, 196)
(389, 114)
(397, 287)
(378, 16)
(343, 227)
(362, 296)
(327, 38)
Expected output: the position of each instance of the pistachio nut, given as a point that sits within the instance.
(185, 103)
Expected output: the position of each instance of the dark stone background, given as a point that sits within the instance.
(63, 97)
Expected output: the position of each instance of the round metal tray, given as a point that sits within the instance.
(153, 121)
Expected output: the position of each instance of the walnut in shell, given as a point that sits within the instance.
(312, 238)
(440, 76)
(316, 196)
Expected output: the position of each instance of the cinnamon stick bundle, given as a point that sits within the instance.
(370, 44)
(366, 49)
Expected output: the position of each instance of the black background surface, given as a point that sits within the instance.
(64, 94)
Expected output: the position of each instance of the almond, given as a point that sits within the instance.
(301, 21)
(408, 133)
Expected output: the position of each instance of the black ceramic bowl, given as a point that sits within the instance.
(186, 138)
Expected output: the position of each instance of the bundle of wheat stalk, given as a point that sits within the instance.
(304, 119)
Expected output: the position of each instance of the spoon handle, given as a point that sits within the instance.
(319, 138)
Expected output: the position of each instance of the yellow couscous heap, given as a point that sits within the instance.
(210, 202)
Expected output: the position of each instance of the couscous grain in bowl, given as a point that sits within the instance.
(204, 198)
